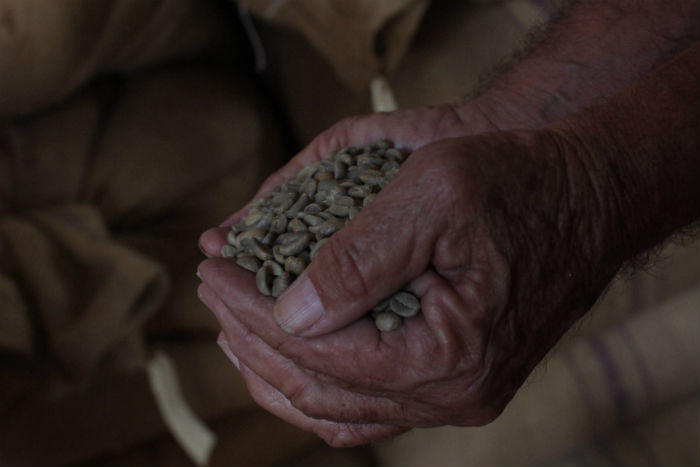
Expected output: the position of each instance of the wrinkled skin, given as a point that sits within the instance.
(489, 230)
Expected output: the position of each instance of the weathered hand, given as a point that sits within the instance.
(494, 234)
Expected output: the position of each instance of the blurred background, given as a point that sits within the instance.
(128, 127)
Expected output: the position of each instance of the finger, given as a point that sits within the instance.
(360, 356)
(335, 434)
(212, 240)
(373, 256)
(309, 394)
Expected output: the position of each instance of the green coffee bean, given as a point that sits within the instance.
(229, 251)
(387, 321)
(286, 228)
(260, 250)
(297, 245)
(404, 304)
(263, 280)
(248, 261)
(295, 265)
(280, 284)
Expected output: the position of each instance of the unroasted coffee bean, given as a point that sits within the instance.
(229, 251)
(279, 257)
(274, 266)
(259, 249)
(279, 224)
(297, 225)
(280, 284)
(296, 246)
(248, 261)
(298, 205)
(263, 280)
(286, 228)
(387, 321)
(330, 226)
(404, 304)
(295, 265)
(243, 240)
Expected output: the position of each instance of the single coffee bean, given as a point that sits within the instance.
(279, 224)
(298, 205)
(297, 225)
(338, 210)
(387, 321)
(317, 246)
(244, 239)
(360, 191)
(264, 221)
(279, 257)
(263, 280)
(280, 284)
(295, 265)
(286, 237)
(313, 208)
(274, 266)
(311, 219)
(297, 245)
(228, 251)
(340, 170)
(253, 217)
(259, 249)
(283, 201)
(330, 226)
(404, 304)
(248, 261)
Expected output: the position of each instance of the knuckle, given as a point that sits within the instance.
(300, 396)
(344, 261)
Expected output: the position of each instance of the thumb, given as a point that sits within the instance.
(360, 265)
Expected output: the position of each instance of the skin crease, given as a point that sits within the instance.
(503, 264)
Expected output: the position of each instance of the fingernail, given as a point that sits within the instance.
(298, 308)
(227, 350)
(199, 275)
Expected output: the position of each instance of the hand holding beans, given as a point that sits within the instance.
(497, 287)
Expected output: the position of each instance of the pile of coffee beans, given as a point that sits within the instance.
(286, 228)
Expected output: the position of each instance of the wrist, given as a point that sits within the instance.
(640, 150)
(503, 109)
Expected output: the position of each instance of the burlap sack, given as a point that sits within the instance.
(49, 48)
(360, 38)
(93, 228)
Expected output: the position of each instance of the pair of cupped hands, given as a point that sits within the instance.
(499, 234)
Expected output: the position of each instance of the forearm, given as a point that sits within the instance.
(596, 49)
(641, 150)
